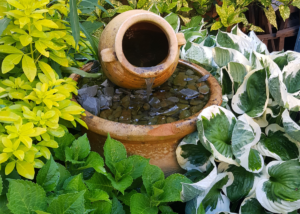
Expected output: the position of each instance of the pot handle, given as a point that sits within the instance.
(180, 39)
(108, 55)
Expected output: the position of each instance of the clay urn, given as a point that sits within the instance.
(156, 142)
(138, 45)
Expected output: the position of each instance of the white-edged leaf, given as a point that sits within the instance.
(222, 56)
(290, 126)
(250, 205)
(174, 21)
(257, 44)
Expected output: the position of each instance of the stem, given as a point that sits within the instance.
(37, 58)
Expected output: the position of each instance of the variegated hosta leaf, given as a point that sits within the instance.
(290, 126)
(252, 96)
(237, 42)
(257, 44)
(280, 192)
(276, 144)
(245, 135)
(242, 181)
(238, 72)
(191, 154)
(199, 55)
(226, 82)
(284, 58)
(208, 193)
(210, 41)
(174, 21)
(194, 34)
(215, 125)
(291, 79)
(250, 205)
(276, 86)
(222, 56)
(274, 111)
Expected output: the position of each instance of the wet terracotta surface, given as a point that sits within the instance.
(157, 142)
(116, 66)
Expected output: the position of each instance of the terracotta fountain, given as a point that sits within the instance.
(157, 142)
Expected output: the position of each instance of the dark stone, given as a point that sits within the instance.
(92, 104)
(89, 91)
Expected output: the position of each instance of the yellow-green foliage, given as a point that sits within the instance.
(33, 99)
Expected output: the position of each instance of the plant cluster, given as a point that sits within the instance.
(35, 100)
(82, 184)
(254, 137)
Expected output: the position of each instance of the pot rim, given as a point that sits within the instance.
(153, 71)
(152, 133)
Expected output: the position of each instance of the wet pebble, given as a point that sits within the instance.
(125, 101)
(184, 114)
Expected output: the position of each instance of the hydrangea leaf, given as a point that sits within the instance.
(191, 154)
(279, 193)
(252, 96)
(290, 126)
(48, 175)
(215, 125)
(246, 133)
(141, 204)
(276, 144)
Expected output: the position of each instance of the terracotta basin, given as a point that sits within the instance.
(157, 142)
(137, 45)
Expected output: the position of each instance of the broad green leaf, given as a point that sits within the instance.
(281, 61)
(226, 82)
(122, 183)
(191, 154)
(99, 181)
(74, 21)
(246, 134)
(117, 207)
(126, 197)
(151, 175)
(72, 70)
(29, 67)
(174, 21)
(10, 61)
(238, 72)
(24, 197)
(217, 25)
(253, 95)
(290, 126)
(97, 195)
(141, 204)
(222, 56)
(81, 148)
(123, 8)
(68, 203)
(173, 187)
(114, 151)
(101, 207)
(277, 145)
(139, 163)
(74, 183)
(195, 21)
(224, 40)
(48, 176)
(63, 175)
(10, 49)
(215, 125)
(250, 205)
(279, 193)
(284, 11)
(63, 142)
(94, 160)
(3, 24)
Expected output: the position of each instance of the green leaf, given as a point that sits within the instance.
(123, 8)
(10, 61)
(48, 176)
(284, 11)
(126, 197)
(99, 181)
(222, 56)
(91, 41)
(63, 61)
(63, 142)
(225, 41)
(141, 204)
(81, 148)
(242, 183)
(101, 207)
(195, 21)
(91, 27)
(74, 21)
(270, 14)
(97, 195)
(24, 197)
(174, 21)
(290, 126)
(252, 96)
(252, 206)
(120, 184)
(29, 67)
(1, 185)
(74, 183)
(151, 175)
(63, 175)
(173, 187)
(3, 24)
(68, 203)
(82, 73)
(141, 3)
(117, 207)
(139, 163)
(3, 205)
(9, 49)
(281, 61)
(94, 160)
(114, 151)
